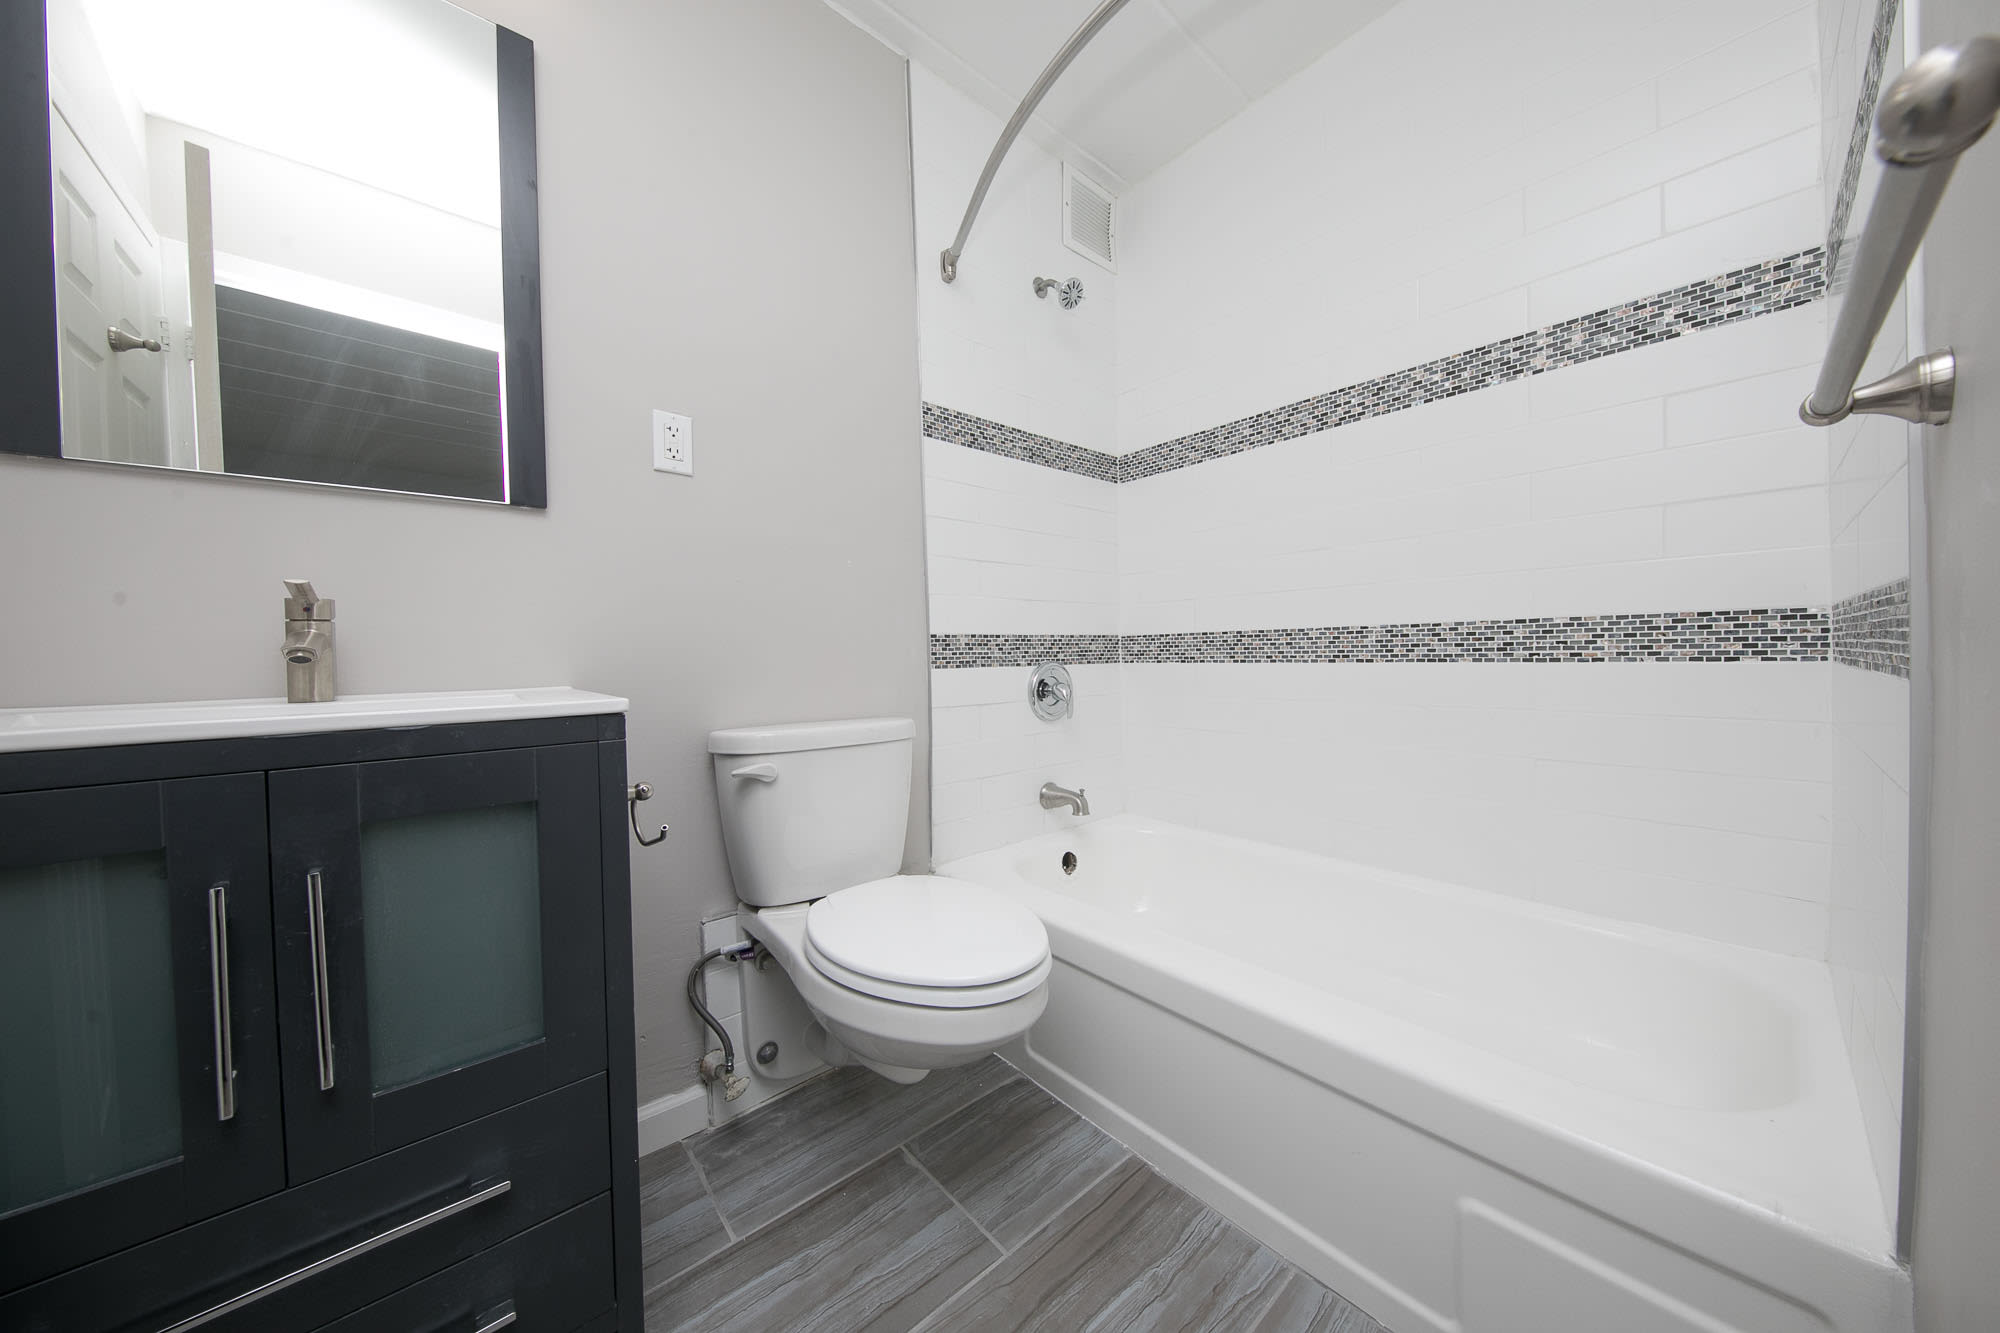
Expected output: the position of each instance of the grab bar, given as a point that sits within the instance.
(1935, 110)
(948, 259)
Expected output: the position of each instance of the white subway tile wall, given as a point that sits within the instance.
(985, 344)
(1691, 796)
(1013, 547)
(1562, 156)
(1869, 528)
(1615, 486)
(991, 755)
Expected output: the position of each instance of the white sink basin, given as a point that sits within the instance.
(143, 724)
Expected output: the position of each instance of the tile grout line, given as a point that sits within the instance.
(709, 1192)
(832, 1185)
(904, 1148)
(928, 1323)
(1096, 1180)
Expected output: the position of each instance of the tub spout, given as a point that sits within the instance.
(1055, 798)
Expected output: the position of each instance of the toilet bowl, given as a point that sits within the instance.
(903, 973)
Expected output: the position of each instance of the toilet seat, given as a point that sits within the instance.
(928, 940)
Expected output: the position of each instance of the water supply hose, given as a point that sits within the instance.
(732, 952)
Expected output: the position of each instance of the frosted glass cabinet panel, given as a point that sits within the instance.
(451, 916)
(89, 1076)
(439, 943)
(138, 1052)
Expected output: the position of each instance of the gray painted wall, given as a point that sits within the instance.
(1957, 1152)
(725, 208)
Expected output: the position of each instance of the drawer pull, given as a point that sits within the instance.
(500, 1316)
(480, 1194)
(322, 995)
(218, 994)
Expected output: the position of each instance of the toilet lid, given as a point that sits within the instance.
(926, 931)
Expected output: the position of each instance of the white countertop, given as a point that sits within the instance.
(210, 719)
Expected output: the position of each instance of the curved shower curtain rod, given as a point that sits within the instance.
(948, 260)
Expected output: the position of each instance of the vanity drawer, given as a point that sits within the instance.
(553, 1278)
(346, 1239)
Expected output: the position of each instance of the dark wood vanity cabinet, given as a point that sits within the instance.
(328, 1030)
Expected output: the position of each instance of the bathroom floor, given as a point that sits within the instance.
(970, 1201)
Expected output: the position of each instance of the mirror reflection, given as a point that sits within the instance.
(278, 239)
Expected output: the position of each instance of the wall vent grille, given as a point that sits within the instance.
(1090, 219)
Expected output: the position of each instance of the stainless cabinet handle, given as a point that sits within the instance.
(480, 1194)
(218, 990)
(322, 995)
(499, 1316)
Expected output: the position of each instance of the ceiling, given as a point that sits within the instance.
(1161, 75)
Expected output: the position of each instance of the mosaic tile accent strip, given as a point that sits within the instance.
(1744, 293)
(1857, 139)
(1795, 634)
(1782, 634)
(987, 650)
(953, 427)
(1871, 630)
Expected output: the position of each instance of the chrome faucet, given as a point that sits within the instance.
(1055, 798)
(308, 645)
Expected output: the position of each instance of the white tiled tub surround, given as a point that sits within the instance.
(1693, 795)
(985, 344)
(1869, 519)
(1558, 162)
(1013, 547)
(1560, 158)
(1017, 548)
(993, 755)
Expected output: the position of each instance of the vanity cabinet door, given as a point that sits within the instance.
(135, 961)
(439, 930)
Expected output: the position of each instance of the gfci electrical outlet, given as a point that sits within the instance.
(673, 443)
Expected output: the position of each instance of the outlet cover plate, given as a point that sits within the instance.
(673, 443)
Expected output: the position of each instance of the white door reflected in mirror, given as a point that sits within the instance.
(332, 310)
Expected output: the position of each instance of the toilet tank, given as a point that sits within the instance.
(811, 807)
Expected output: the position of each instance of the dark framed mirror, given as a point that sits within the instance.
(292, 241)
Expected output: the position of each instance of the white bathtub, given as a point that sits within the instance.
(1461, 1110)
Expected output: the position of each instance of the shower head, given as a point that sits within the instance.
(1068, 294)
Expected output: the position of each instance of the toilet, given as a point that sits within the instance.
(903, 973)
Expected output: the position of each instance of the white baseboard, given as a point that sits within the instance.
(671, 1118)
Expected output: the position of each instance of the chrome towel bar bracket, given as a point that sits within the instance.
(1935, 110)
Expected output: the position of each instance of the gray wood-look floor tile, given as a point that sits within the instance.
(1014, 1157)
(678, 1224)
(879, 1252)
(1134, 1253)
(784, 1153)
